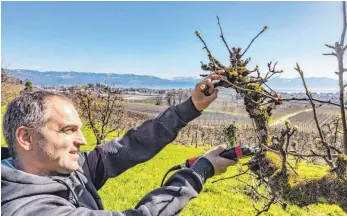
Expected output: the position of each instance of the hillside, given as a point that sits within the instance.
(146, 81)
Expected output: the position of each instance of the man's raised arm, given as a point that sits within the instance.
(142, 143)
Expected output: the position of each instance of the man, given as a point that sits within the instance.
(47, 175)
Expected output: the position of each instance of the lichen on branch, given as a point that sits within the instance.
(251, 88)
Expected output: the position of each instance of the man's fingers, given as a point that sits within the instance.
(219, 163)
(207, 82)
(219, 149)
(215, 76)
(213, 95)
(227, 162)
(211, 87)
(220, 71)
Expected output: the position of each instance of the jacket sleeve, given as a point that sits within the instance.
(183, 186)
(138, 144)
(170, 199)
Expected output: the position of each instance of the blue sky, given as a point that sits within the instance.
(157, 38)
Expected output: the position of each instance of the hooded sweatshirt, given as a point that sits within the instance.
(24, 194)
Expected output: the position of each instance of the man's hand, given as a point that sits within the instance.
(219, 163)
(200, 100)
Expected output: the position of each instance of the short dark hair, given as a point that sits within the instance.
(28, 109)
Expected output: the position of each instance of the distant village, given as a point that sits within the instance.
(134, 94)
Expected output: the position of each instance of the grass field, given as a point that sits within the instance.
(221, 198)
(217, 199)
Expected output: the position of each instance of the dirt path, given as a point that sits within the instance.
(279, 121)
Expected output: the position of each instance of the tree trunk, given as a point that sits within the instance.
(261, 120)
(342, 104)
(263, 130)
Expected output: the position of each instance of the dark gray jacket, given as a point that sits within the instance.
(25, 194)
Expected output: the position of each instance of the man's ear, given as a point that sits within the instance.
(24, 138)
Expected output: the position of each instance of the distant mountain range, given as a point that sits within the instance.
(145, 81)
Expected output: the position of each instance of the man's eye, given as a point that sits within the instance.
(69, 131)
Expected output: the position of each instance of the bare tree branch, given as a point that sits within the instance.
(316, 100)
(342, 41)
(221, 179)
(102, 112)
(330, 46)
(310, 155)
(222, 36)
(333, 54)
(340, 53)
(267, 206)
(329, 161)
(246, 90)
(265, 27)
(212, 60)
(292, 168)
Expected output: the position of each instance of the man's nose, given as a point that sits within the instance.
(80, 140)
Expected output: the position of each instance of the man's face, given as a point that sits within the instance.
(58, 144)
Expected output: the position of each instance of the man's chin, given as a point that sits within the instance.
(73, 168)
(69, 169)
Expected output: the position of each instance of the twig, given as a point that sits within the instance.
(244, 172)
(292, 168)
(267, 206)
(307, 99)
(344, 24)
(271, 71)
(265, 27)
(336, 149)
(269, 87)
(247, 61)
(207, 50)
(330, 46)
(222, 36)
(315, 115)
(325, 158)
(296, 154)
(247, 90)
(254, 189)
(336, 128)
(340, 52)
(333, 54)
(310, 155)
